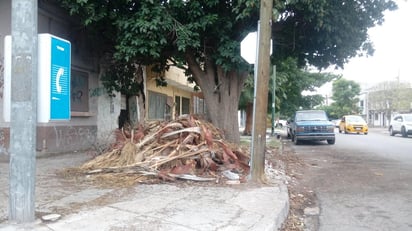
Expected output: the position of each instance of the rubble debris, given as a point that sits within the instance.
(51, 217)
(230, 175)
(311, 211)
(186, 148)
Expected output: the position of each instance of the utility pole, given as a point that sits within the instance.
(23, 120)
(261, 99)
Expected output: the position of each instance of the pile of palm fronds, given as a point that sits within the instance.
(187, 148)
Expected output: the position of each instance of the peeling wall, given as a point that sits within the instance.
(65, 138)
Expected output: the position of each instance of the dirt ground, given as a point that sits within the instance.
(300, 196)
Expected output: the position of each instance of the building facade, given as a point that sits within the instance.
(381, 102)
(94, 115)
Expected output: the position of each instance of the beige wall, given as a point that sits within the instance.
(177, 86)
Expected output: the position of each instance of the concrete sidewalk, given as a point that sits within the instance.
(147, 207)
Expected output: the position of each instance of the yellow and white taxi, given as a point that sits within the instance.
(353, 124)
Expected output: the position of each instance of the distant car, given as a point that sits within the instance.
(401, 124)
(311, 125)
(288, 128)
(353, 124)
(336, 122)
(281, 123)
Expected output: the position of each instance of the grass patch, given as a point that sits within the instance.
(272, 142)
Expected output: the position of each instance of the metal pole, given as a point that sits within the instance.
(253, 143)
(23, 111)
(273, 99)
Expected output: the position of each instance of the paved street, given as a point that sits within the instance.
(363, 182)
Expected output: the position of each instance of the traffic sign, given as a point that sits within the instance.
(248, 47)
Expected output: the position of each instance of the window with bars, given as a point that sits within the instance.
(199, 106)
(158, 108)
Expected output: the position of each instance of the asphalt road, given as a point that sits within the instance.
(363, 182)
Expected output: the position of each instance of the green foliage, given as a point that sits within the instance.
(318, 33)
(291, 81)
(121, 77)
(345, 97)
(324, 33)
(312, 101)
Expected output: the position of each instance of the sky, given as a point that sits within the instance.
(393, 51)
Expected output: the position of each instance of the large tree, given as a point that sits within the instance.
(203, 37)
(345, 97)
(291, 81)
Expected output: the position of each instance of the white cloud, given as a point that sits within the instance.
(393, 51)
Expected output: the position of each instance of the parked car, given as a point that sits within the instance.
(353, 124)
(311, 125)
(401, 124)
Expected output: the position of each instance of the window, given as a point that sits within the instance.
(177, 106)
(199, 105)
(182, 105)
(185, 105)
(158, 108)
(79, 91)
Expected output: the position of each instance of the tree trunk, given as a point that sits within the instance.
(221, 90)
(141, 97)
(249, 120)
(222, 104)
